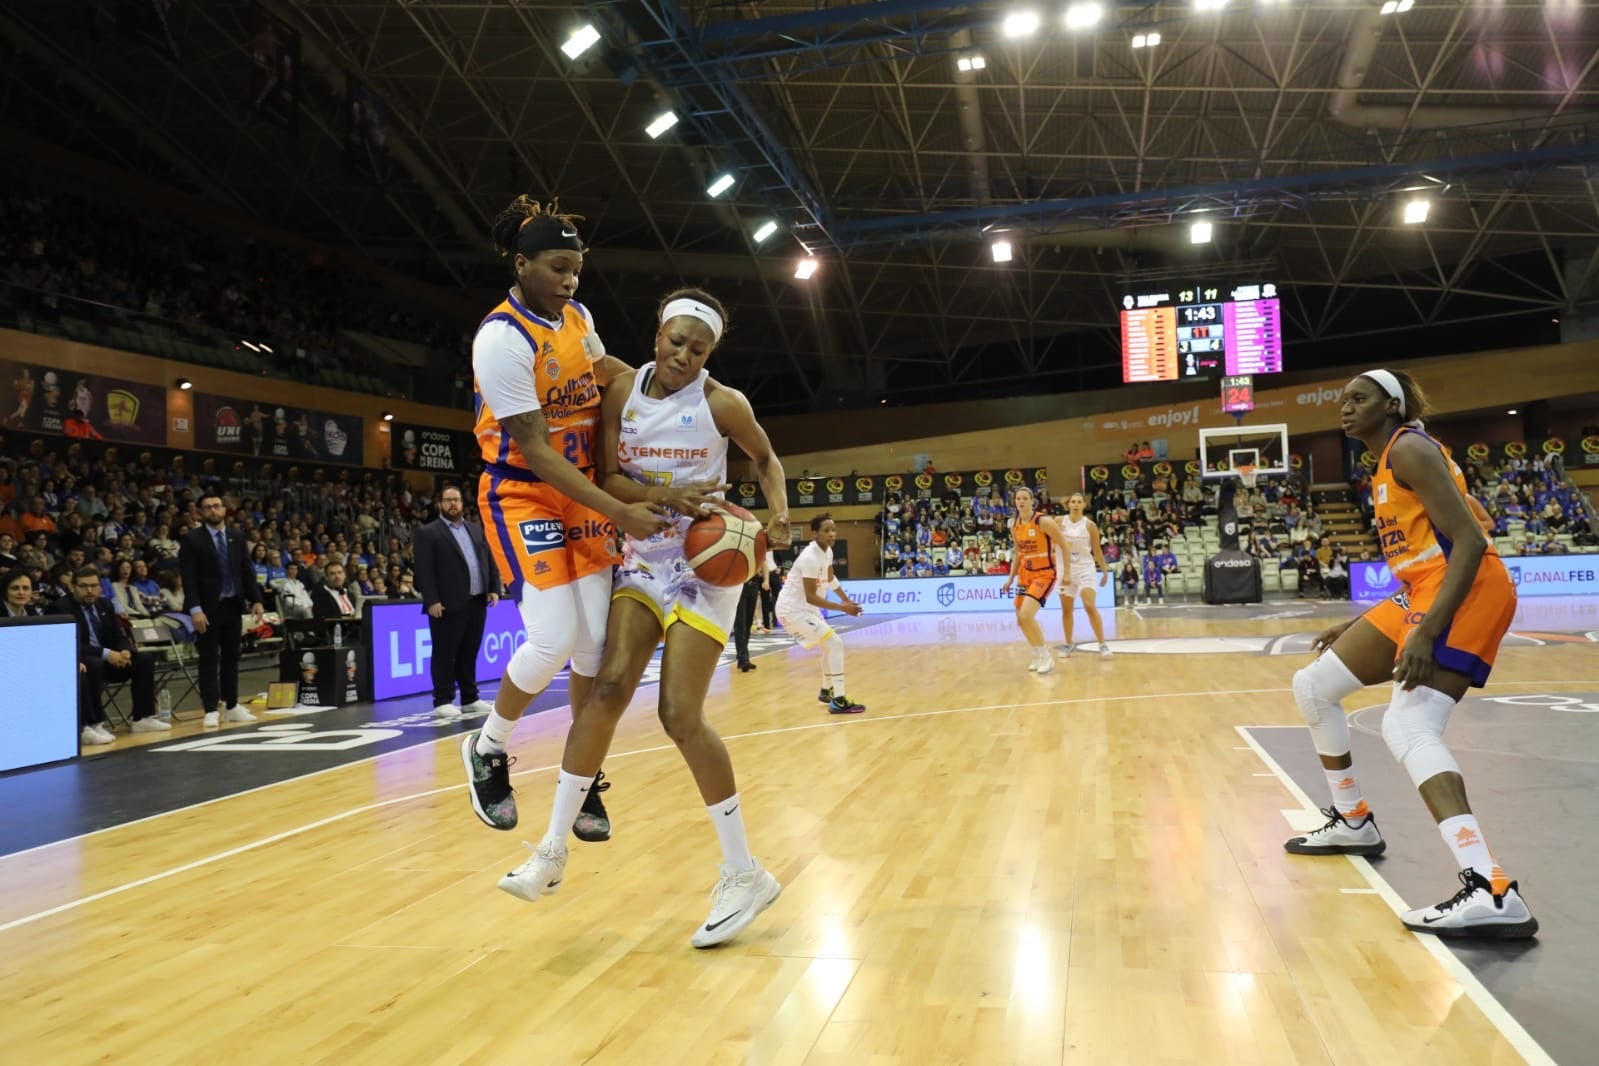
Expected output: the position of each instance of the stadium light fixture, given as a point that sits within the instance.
(1209, 5)
(966, 64)
(1145, 40)
(663, 122)
(1020, 24)
(764, 230)
(1199, 233)
(806, 268)
(719, 186)
(1416, 211)
(583, 38)
(1511, 411)
(265, 347)
(388, 416)
(1001, 251)
(185, 384)
(1396, 6)
(250, 346)
(1081, 16)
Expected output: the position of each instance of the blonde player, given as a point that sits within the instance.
(800, 606)
(1435, 639)
(1032, 570)
(1078, 561)
(665, 433)
(539, 368)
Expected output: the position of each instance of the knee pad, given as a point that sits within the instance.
(549, 616)
(1319, 692)
(592, 599)
(1413, 727)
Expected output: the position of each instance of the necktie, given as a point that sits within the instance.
(94, 635)
(344, 603)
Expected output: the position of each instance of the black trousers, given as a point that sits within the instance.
(456, 640)
(97, 673)
(768, 607)
(744, 619)
(219, 655)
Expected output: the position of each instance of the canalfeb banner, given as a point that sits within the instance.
(86, 406)
(443, 451)
(250, 427)
(949, 595)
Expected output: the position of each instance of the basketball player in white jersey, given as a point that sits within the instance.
(800, 606)
(1082, 559)
(664, 431)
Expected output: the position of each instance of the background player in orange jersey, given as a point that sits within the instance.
(1436, 639)
(539, 368)
(1032, 570)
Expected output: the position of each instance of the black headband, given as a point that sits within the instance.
(542, 233)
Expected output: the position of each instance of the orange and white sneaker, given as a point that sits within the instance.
(1481, 908)
(1354, 833)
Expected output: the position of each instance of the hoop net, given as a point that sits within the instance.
(1246, 474)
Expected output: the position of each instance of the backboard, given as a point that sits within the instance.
(1265, 447)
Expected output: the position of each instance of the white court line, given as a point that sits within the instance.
(1358, 891)
(353, 811)
(1492, 1009)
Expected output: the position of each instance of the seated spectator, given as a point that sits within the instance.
(171, 583)
(1529, 546)
(1551, 546)
(1154, 579)
(124, 597)
(8, 550)
(1129, 580)
(17, 598)
(333, 600)
(1337, 577)
(294, 599)
(105, 654)
(1310, 573)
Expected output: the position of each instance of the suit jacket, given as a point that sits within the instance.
(441, 571)
(325, 605)
(201, 567)
(103, 617)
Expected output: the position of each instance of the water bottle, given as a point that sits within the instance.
(163, 705)
(338, 636)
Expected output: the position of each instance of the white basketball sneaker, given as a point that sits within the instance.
(1476, 911)
(541, 875)
(1046, 661)
(1104, 650)
(1354, 833)
(237, 714)
(738, 897)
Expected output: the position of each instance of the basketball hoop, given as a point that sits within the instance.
(1246, 474)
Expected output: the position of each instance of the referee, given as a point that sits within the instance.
(458, 582)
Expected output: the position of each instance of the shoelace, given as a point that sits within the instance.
(600, 784)
(725, 886)
(531, 859)
(1469, 884)
(1334, 817)
(499, 767)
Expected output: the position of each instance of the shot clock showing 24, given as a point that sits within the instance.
(1200, 330)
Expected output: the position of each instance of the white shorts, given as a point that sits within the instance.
(654, 573)
(1078, 579)
(808, 628)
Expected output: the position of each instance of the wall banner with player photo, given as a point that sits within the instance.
(274, 67)
(250, 427)
(366, 132)
(414, 447)
(86, 406)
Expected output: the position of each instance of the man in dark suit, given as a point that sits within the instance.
(218, 584)
(458, 582)
(332, 599)
(106, 654)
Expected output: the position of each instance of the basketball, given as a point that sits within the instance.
(725, 548)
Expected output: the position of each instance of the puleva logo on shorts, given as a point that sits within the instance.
(541, 535)
(946, 594)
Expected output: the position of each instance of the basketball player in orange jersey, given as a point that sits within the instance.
(664, 440)
(1436, 639)
(1032, 570)
(539, 369)
(1079, 560)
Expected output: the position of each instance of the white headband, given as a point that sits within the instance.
(693, 309)
(1390, 385)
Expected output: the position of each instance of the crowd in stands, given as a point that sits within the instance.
(1533, 504)
(954, 534)
(58, 249)
(66, 504)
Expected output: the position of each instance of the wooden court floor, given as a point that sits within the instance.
(988, 867)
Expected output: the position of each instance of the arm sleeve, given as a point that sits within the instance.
(502, 361)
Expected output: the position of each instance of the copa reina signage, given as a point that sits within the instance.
(947, 595)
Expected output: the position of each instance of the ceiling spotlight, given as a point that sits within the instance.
(663, 122)
(250, 346)
(978, 62)
(1020, 24)
(583, 38)
(1400, 6)
(1416, 211)
(1199, 233)
(388, 416)
(1145, 40)
(1080, 16)
(1511, 411)
(719, 186)
(970, 63)
(185, 384)
(764, 230)
(805, 269)
(265, 347)
(1001, 251)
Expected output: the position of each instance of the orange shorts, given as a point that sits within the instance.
(539, 536)
(1035, 584)
(1470, 643)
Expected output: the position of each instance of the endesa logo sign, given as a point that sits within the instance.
(950, 595)
(1567, 575)
(402, 646)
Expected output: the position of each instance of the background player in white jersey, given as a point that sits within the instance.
(800, 606)
(1082, 559)
(664, 431)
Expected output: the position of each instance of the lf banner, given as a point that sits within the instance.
(248, 427)
(86, 406)
(442, 451)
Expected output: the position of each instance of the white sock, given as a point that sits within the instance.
(1344, 788)
(729, 822)
(1464, 836)
(570, 789)
(494, 735)
(833, 666)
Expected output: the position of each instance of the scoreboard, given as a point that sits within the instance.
(1194, 331)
